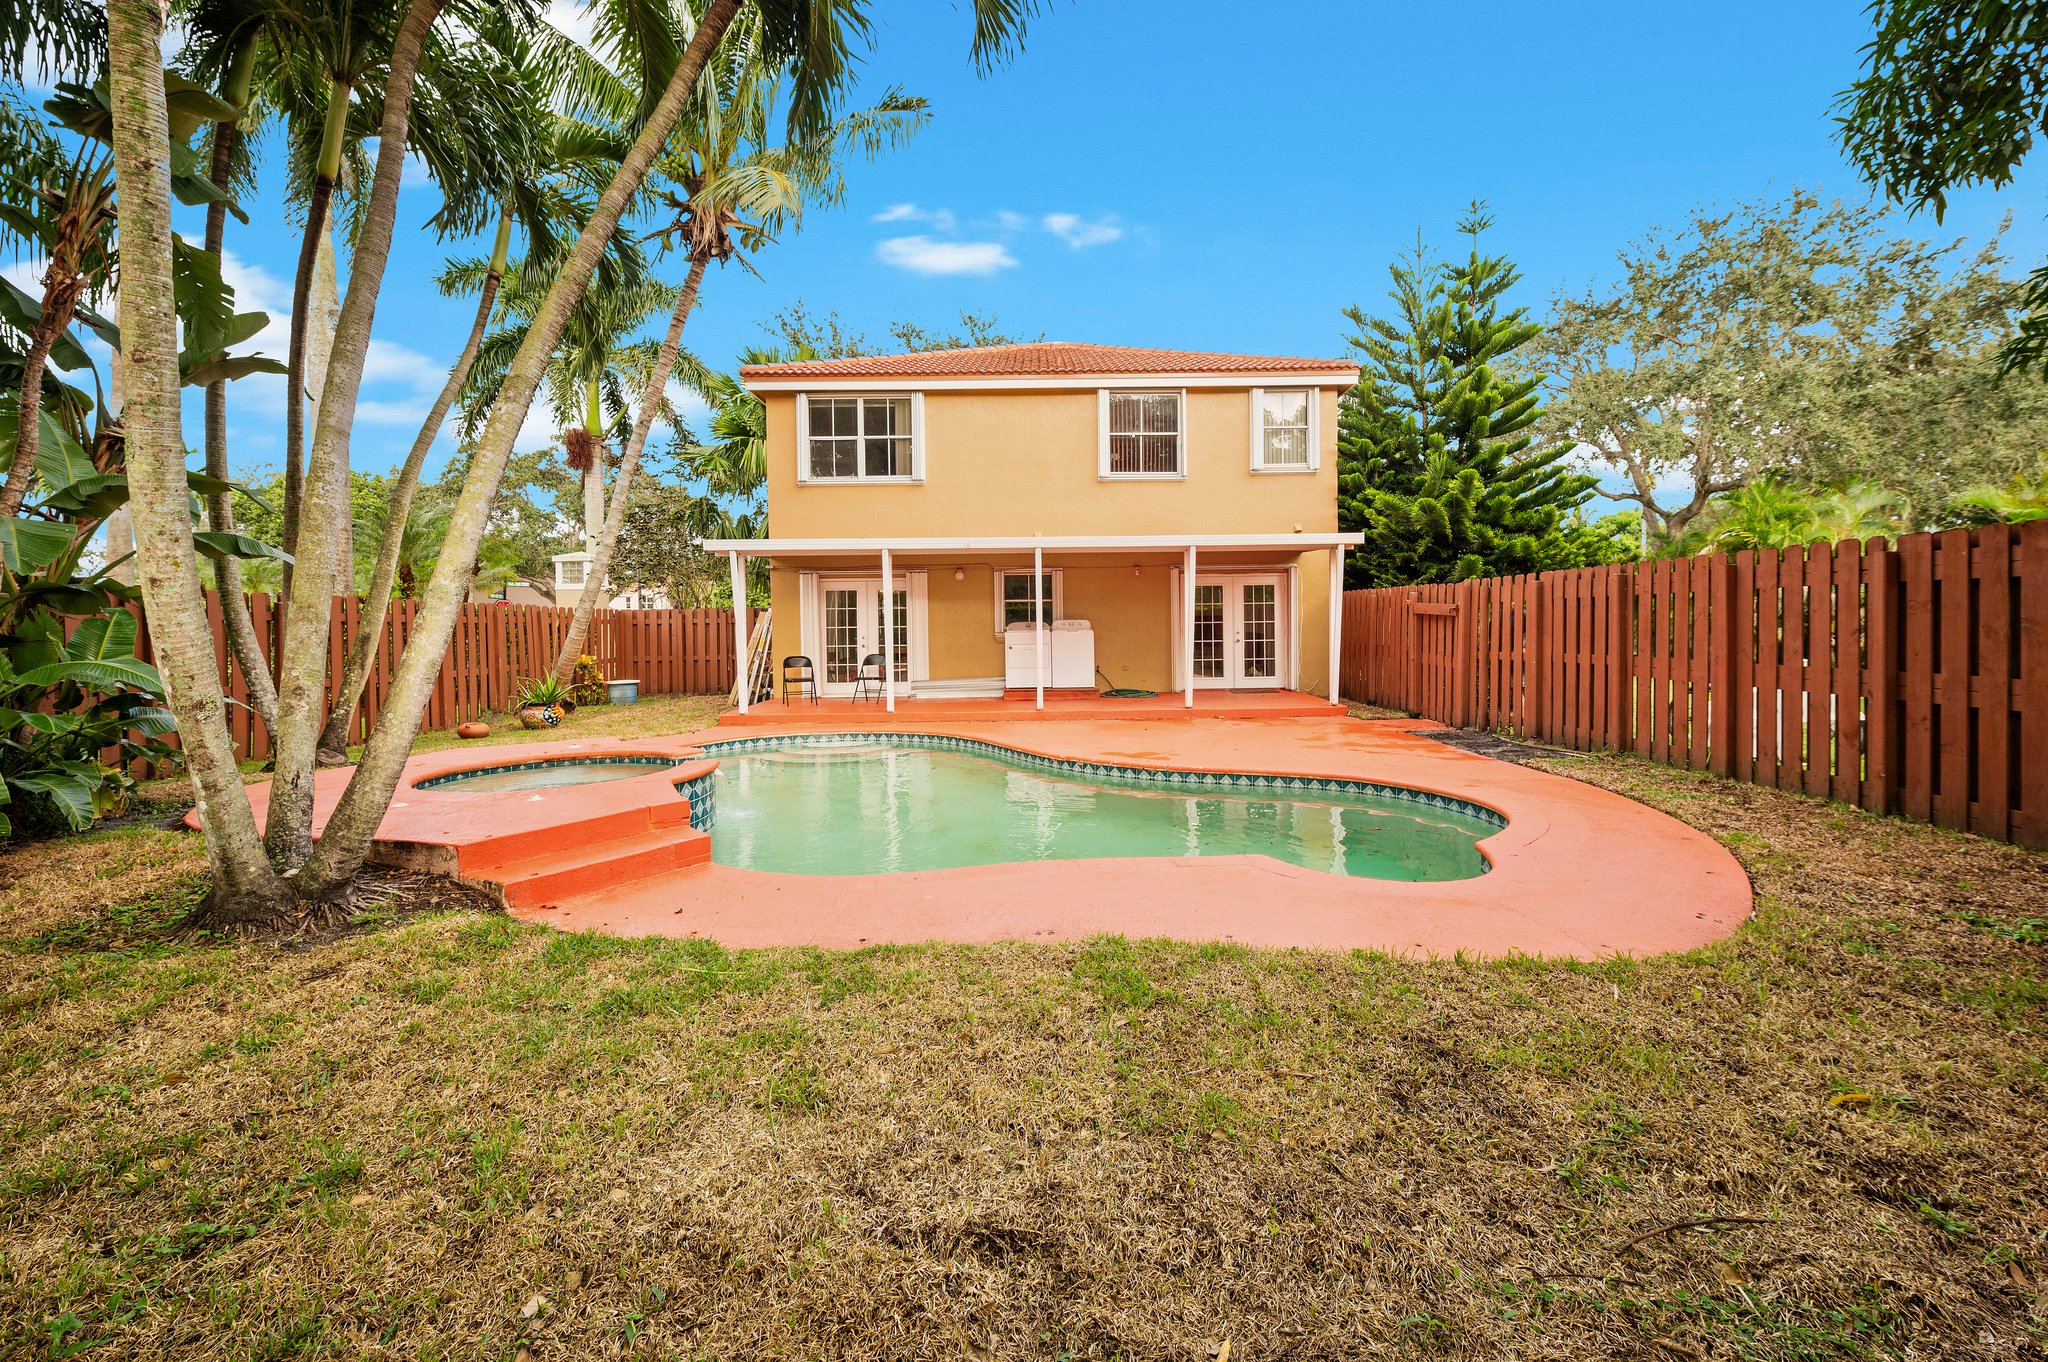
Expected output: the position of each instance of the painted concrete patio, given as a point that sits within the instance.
(1578, 871)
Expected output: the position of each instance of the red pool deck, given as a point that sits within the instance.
(1578, 872)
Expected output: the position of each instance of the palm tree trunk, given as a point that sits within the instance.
(29, 412)
(220, 510)
(333, 749)
(62, 283)
(622, 485)
(326, 171)
(354, 821)
(302, 679)
(244, 885)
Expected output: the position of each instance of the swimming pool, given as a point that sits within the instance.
(853, 805)
(547, 774)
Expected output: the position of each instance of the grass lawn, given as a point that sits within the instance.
(450, 1136)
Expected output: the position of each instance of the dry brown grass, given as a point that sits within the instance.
(460, 1137)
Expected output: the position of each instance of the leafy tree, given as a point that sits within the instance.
(1437, 461)
(804, 336)
(1798, 337)
(1954, 92)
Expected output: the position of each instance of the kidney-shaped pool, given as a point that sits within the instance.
(860, 806)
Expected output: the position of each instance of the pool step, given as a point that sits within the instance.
(576, 866)
(482, 858)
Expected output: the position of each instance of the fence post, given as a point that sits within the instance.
(1536, 661)
(1721, 651)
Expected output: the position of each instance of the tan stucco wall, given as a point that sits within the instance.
(1025, 463)
(1019, 463)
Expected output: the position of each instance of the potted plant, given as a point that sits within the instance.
(542, 702)
(587, 684)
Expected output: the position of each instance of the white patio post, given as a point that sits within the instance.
(1038, 620)
(1187, 624)
(888, 635)
(739, 629)
(1336, 620)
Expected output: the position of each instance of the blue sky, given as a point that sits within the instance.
(1170, 174)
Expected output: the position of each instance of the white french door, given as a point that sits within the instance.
(1240, 627)
(853, 616)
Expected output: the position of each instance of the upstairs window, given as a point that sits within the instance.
(571, 571)
(859, 439)
(1142, 435)
(1283, 430)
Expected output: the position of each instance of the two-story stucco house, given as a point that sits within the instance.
(1054, 517)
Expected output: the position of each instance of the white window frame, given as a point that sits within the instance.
(562, 582)
(1102, 469)
(803, 442)
(1315, 431)
(1059, 592)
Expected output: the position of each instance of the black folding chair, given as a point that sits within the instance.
(870, 673)
(799, 675)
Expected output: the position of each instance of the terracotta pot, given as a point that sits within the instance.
(472, 729)
(541, 716)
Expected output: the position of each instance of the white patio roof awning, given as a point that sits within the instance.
(1026, 543)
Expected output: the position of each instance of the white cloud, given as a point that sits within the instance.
(928, 255)
(390, 362)
(1079, 232)
(381, 412)
(939, 219)
(573, 17)
(1012, 222)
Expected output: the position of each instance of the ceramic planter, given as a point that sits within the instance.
(473, 729)
(541, 716)
(624, 691)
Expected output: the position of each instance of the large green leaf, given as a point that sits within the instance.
(11, 719)
(102, 638)
(26, 545)
(60, 461)
(221, 544)
(206, 305)
(222, 367)
(24, 310)
(97, 675)
(70, 794)
(93, 498)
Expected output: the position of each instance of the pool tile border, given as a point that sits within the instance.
(471, 772)
(1144, 775)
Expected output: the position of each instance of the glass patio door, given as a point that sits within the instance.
(1240, 634)
(851, 629)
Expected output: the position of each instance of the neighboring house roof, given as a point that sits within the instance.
(1037, 359)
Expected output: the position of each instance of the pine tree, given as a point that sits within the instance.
(1437, 462)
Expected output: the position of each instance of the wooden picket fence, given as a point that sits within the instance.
(495, 644)
(1907, 677)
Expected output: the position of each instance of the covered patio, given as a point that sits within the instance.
(1229, 625)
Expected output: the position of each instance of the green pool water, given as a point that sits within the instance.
(883, 808)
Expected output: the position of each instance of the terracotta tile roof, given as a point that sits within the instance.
(1042, 359)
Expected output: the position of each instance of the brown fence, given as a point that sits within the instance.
(670, 652)
(1909, 678)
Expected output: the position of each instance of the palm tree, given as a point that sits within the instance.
(2024, 498)
(1859, 510)
(66, 211)
(544, 178)
(245, 885)
(737, 192)
(813, 38)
